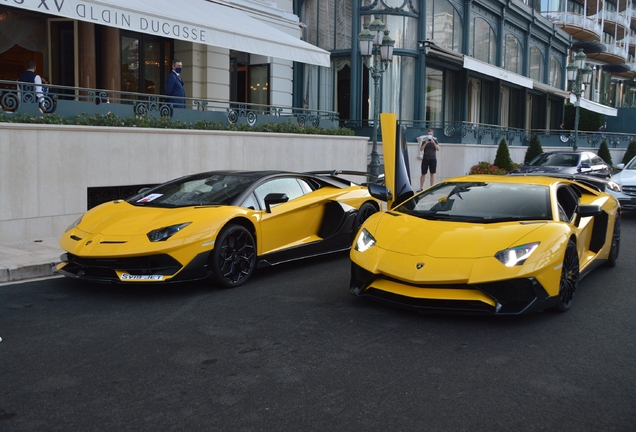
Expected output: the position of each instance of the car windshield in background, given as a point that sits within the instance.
(556, 159)
(631, 165)
(200, 190)
(481, 202)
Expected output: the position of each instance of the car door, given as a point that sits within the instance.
(568, 203)
(292, 223)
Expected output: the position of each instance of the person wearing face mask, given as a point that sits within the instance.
(429, 146)
(175, 86)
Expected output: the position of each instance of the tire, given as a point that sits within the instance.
(616, 243)
(234, 256)
(569, 278)
(365, 210)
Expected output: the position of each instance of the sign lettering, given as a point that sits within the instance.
(106, 15)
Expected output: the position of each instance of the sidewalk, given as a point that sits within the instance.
(22, 261)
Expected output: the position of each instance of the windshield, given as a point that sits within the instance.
(556, 159)
(631, 165)
(202, 189)
(481, 202)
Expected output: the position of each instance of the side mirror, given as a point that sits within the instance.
(588, 210)
(585, 166)
(380, 192)
(620, 166)
(274, 198)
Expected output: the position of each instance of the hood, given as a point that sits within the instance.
(122, 219)
(625, 177)
(410, 235)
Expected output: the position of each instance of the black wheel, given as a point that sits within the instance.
(569, 278)
(365, 210)
(234, 256)
(616, 243)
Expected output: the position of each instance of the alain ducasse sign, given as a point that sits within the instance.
(106, 13)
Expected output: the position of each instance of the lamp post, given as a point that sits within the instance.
(375, 42)
(579, 76)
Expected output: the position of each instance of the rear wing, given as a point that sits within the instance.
(334, 174)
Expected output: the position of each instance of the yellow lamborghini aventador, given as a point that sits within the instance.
(217, 223)
(484, 244)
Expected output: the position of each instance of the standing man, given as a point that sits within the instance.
(175, 86)
(430, 147)
(29, 76)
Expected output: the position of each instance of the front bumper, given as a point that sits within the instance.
(627, 203)
(145, 269)
(508, 297)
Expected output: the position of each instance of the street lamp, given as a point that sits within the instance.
(579, 76)
(375, 42)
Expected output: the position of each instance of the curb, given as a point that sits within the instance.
(27, 272)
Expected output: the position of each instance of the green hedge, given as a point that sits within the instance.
(165, 123)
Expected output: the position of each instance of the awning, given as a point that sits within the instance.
(549, 89)
(496, 72)
(196, 21)
(598, 108)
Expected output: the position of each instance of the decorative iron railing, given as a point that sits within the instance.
(476, 133)
(71, 101)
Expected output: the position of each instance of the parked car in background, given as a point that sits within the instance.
(567, 162)
(626, 181)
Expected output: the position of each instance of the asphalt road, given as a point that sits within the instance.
(292, 350)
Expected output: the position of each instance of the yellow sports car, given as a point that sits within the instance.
(484, 244)
(221, 223)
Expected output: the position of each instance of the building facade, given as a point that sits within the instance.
(484, 62)
(240, 50)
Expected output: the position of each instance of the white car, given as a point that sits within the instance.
(626, 180)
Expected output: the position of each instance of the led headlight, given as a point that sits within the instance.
(163, 234)
(74, 224)
(516, 255)
(365, 241)
(611, 185)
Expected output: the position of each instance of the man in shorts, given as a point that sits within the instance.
(430, 147)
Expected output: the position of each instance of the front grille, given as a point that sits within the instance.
(104, 268)
(431, 305)
(629, 190)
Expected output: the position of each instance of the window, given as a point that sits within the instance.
(567, 203)
(249, 83)
(536, 64)
(512, 55)
(483, 42)
(434, 95)
(575, 7)
(443, 25)
(290, 186)
(145, 63)
(555, 72)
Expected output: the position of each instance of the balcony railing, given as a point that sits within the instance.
(617, 17)
(477, 133)
(619, 48)
(71, 101)
(569, 18)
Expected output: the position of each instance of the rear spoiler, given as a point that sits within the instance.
(336, 173)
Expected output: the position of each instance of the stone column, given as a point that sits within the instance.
(87, 55)
(111, 62)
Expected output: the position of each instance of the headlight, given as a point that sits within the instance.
(613, 186)
(365, 241)
(516, 255)
(74, 224)
(163, 234)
